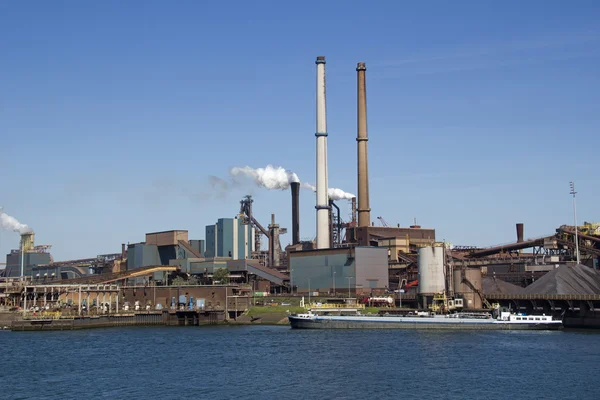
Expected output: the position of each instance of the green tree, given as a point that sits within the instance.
(221, 275)
(185, 281)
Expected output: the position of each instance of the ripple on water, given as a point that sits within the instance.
(252, 362)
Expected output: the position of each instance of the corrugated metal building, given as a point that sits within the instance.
(198, 246)
(229, 237)
(142, 255)
(416, 236)
(363, 269)
(57, 271)
(161, 248)
(166, 238)
(30, 260)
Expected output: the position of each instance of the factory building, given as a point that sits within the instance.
(241, 271)
(406, 240)
(31, 260)
(231, 238)
(160, 248)
(358, 269)
(198, 245)
(32, 257)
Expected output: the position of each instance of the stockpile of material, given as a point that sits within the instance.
(577, 279)
(493, 285)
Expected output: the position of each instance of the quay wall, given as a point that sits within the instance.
(164, 318)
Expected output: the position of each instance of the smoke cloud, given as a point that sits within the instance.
(269, 177)
(339, 194)
(280, 178)
(11, 223)
(333, 193)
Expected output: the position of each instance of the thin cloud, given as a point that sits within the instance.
(498, 55)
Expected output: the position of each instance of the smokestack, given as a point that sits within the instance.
(27, 241)
(364, 210)
(519, 232)
(295, 212)
(274, 245)
(322, 184)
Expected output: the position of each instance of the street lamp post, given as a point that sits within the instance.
(349, 277)
(573, 192)
(309, 291)
(292, 280)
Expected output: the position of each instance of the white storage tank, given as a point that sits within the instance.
(430, 261)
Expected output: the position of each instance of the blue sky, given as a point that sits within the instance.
(113, 115)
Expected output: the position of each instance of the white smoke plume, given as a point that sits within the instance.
(269, 177)
(11, 223)
(333, 193)
(280, 178)
(339, 194)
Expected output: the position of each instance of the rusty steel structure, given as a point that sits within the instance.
(364, 208)
(562, 243)
(272, 233)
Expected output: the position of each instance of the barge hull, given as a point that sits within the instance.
(454, 325)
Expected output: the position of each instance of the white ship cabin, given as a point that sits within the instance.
(522, 318)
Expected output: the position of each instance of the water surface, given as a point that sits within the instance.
(258, 362)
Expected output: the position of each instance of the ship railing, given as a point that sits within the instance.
(336, 306)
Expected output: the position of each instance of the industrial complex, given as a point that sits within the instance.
(239, 258)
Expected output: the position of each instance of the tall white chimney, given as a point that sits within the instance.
(322, 184)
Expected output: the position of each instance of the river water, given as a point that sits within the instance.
(259, 362)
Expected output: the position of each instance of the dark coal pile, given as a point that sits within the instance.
(576, 279)
(491, 285)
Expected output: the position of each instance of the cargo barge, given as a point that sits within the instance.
(456, 321)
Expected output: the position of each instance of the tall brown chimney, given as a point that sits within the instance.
(295, 186)
(519, 232)
(364, 210)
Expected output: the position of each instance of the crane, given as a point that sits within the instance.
(383, 223)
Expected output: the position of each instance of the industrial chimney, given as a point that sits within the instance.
(322, 184)
(27, 241)
(295, 212)
(519, 232)
(364, 210)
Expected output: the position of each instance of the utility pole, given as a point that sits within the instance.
(573, 192)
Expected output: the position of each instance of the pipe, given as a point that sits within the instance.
(364, 209)
(322, 206)
(295, 186)
(338, 223)
(22, 258)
